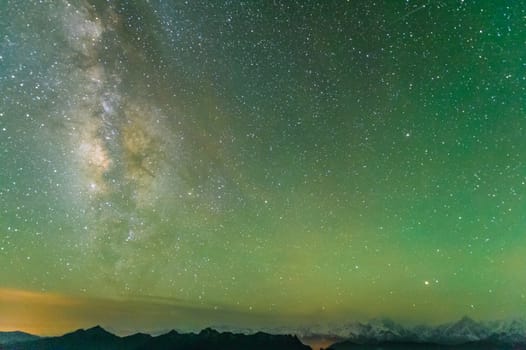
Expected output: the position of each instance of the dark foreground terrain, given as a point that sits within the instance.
(99, 339)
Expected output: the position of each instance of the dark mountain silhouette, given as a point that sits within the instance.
(212, 339)
(93, 338)
(100, 339)
(16, 337)
(135, 340)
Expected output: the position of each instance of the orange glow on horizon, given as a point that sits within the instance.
(39, 313)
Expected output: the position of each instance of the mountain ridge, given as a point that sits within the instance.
(16, 337)
(463, 331)
(382, 331)
(208, 338)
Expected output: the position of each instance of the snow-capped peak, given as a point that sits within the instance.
(462, 331)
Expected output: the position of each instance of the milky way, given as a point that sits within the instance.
(260, 164)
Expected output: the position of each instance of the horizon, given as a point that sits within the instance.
(259, 164)
(312, 329)
(45, 304)
(320, 340)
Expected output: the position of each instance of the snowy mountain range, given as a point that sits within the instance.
(465, 330)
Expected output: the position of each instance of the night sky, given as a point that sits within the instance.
(251, 164)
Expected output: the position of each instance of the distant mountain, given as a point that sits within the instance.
(463, 331)
(463, 334)
(135, 340)
(513, 331)
(481, 345)
(100, 339)
(212, 339)
(16, 337)
(93, 338)
(380, 329)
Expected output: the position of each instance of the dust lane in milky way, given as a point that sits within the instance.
(264, 163)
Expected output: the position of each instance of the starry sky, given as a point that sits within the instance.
(181, 164)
